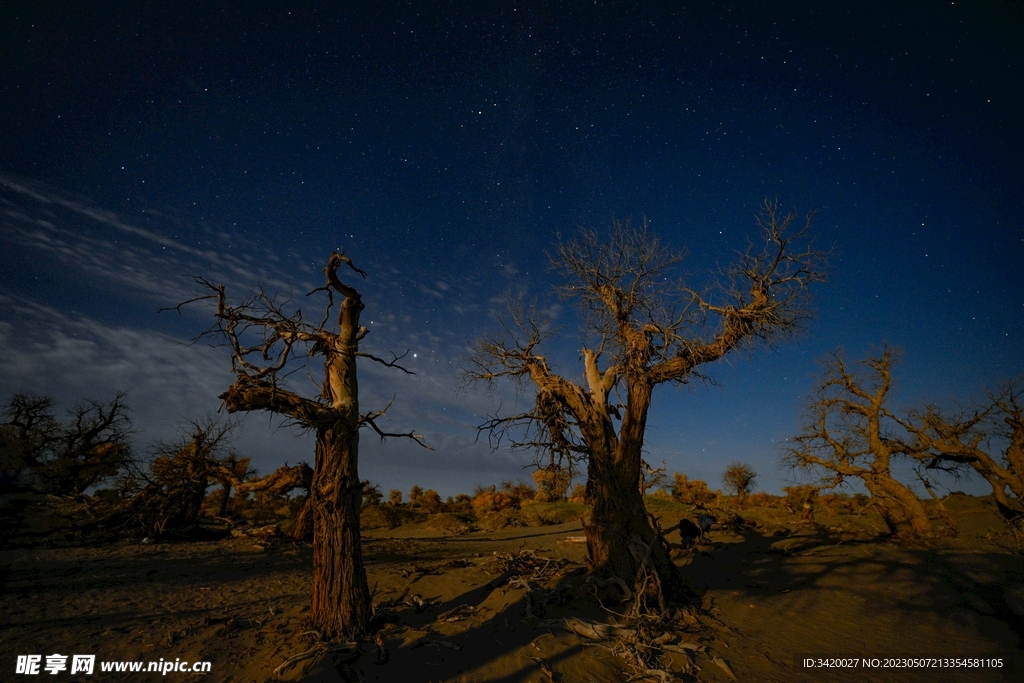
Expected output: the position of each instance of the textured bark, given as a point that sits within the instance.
(302, 530)
(341, 596)
(620, 538)
(341, 604)
(902, 511)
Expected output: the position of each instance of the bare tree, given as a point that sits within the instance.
(644, 327)
(263, 339)
(164, 497)
(740, 478)
(63, 457)
(950, 440)
(851, 432)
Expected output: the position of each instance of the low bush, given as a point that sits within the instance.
(692, 491)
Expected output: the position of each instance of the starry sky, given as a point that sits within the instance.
(446, 146)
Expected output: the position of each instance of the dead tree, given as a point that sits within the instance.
(164, 496)
(263, 338)
(740, 478)
(40, 452)
(850, 432)
(644, 327)
(951, 440)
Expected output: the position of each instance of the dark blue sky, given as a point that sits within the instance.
(446, 146)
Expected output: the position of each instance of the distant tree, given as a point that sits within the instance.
(849, 431)
(264, 338)
(372, 494)
(579, 494)
(416, 495)
(988, 439)
(740, 478)
(651, 329)
(431, 501)
(42, 453)
(461, 503)
(395, 497)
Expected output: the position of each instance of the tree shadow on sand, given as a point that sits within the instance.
(823, 594)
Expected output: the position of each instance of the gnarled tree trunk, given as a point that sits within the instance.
(620, 538)
(341, 602)
(901, 510)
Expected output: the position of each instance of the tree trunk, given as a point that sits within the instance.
(302, 529)
(222, 511)
(901, 510)
(1010, 511)
(341, 606)
(620, 538)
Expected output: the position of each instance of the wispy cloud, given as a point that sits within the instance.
(54, 347)
(119, 251)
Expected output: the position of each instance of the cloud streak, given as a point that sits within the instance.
(55, 348)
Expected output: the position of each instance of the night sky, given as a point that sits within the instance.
(445, 147)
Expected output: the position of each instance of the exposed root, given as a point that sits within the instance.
(530, 565)
(339, 651)
(655, 642)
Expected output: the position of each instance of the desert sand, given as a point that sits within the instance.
(465, 605)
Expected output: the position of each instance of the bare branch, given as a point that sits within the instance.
(370, 420)
(393, 363)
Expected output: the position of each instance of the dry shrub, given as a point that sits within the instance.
(395, 497)
(449, 523)
(546, 514)
(459, 505)
(692, 492)
(488, 501)
(579, 494)
(552, 483)
(503, 519)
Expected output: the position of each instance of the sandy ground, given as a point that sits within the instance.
(771, 597)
